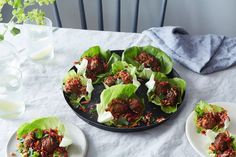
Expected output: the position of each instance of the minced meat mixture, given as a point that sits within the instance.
(74, 86)
(222, 146)
(168, 94)
(130, 109)
(42, 143)
(123, 75)
(149, 61)
(96, 66)
(211, 120)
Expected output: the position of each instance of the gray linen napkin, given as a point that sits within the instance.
(201, 53)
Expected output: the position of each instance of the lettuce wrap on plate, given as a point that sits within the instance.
(165, 92)
(43, 137)
(119, 106)
(210, 117)
(77, 86)
(121, 73)
(148, 59)
(223, 144)
(99, 63)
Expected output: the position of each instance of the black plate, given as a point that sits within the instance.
(149, 107)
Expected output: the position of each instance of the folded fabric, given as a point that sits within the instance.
(200, 53)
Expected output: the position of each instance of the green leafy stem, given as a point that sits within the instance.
(20, 15)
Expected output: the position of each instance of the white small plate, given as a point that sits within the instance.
(77, 149)
(200, 142)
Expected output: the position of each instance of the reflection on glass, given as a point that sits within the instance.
(39, 41)
(11, 98)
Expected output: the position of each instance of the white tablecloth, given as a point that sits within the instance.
(43, 96)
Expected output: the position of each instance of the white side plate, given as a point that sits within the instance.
(200, 142)
(77, 149)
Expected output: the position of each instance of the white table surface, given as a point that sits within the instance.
(44, 97)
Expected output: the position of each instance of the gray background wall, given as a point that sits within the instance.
(196, 16)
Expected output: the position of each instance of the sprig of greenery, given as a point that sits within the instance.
(20, 15)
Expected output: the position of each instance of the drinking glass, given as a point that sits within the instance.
(11, 98)
(39, 41)
(8, 54)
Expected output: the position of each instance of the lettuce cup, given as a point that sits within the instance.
(165, 92)
(99, 63)
(223, 144)
(121, 73)
(77, 86)
(210, 117)
(148, 59)
(119, 106)
(43, 137)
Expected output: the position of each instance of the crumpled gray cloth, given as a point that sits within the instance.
(200, 53)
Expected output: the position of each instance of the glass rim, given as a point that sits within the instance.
(15, 69)
(28, 22)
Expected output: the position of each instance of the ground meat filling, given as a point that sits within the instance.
(110, 81)
(149, 61)
(74, 86)
(123, 75)
(222, 145)
(168, 94)
(211, 120)
(46, 145)
(129, 109)
(96, 66)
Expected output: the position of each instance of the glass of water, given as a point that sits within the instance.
(39, 41)
(11, 99)
(8, 55)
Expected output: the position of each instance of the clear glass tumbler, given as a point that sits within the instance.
(8, 54)
(39, 41)
(11, 98)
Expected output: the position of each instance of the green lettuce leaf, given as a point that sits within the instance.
(166, 62)
(97, 51)
(119, 66)
(203, 107)
(106, 55)
(152, 97)
(80, 74)
(114, 58)
(117, 91)
(45, 123)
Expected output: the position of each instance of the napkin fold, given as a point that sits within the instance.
(200, 53)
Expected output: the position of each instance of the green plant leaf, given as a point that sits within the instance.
(45, 123)
(122, 121)
(37, 16)
(15, 31)
(165, 61)
(107, 95)
(39, 134)
(121, 65)
(45, 2)
(1, 37)
(80, 75)
(203, 107)
(156, 99)
(104, 54)
(97, 51)
(17, 4)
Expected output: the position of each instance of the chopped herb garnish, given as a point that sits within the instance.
(39, 134)
(162, 96)
(122, 121)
